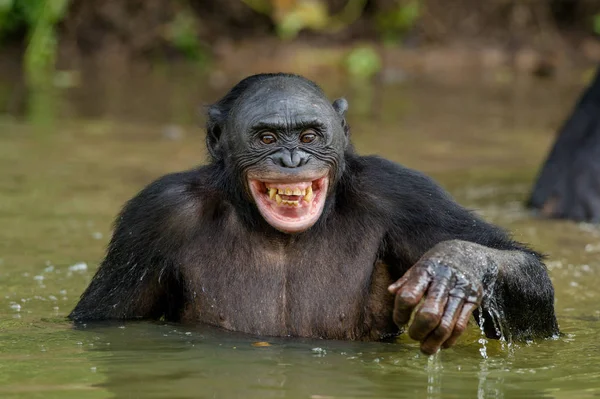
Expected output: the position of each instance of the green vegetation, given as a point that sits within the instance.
(38, 18)
(395, 24)
(363, 62)
(34, 22)
(291, 17)
(182, 34)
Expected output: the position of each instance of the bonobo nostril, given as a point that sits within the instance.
(290, 158)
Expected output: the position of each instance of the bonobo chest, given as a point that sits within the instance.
(325, 285)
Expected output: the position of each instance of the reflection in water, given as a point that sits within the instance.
(489, 386)
(434, 377)
(156, 361)
(60, 192)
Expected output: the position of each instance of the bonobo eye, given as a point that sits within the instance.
(267, 138)
(308, 136)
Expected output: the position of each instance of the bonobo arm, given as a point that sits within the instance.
(139, 277)
(460, 263)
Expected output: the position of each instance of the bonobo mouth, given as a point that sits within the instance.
(290, 206)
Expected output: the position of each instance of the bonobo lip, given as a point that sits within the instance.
(290, 206)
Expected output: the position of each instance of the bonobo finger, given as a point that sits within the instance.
(393, 288)
(409, 295)
(429, 314)
(461, 323)
(443, 331)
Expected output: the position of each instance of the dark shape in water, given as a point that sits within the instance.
(568, 186)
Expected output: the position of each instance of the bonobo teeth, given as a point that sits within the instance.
(309, 194)
(281, 195)
(287, 191)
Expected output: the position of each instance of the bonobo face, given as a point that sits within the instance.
(288, 141)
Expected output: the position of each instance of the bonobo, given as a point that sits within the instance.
(288, 232)
(568, 185)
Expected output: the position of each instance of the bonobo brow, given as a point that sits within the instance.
(279, 124)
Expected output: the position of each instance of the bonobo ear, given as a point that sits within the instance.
(341, 106)
(213, 131)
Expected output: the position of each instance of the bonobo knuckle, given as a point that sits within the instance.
(406, 297)
(474, 296)
(474, 299)
(442, 331)
(428, 320)
(459, 328)
(427, 266)
(443, 271)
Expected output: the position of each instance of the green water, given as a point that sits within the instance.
(69, 159)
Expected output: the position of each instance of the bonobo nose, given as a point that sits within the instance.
(291, 158)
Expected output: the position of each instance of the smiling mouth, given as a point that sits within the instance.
(290, 206)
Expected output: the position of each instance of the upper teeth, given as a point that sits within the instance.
(309, 194)
(287, 191)
(276, 193)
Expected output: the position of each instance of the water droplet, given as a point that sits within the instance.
(80, 266)
(319, 351)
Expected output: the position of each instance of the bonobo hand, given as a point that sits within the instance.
(450, 278)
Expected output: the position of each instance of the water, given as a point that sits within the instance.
(69, 159)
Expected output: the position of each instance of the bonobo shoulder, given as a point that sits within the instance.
(171, 203)
(396, 182)
(414, 203)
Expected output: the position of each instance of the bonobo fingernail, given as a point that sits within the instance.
(393, 288)
(430, 351)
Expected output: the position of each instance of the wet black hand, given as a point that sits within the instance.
(449, 297)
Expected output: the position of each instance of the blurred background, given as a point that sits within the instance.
(100, 97)
(81, 48)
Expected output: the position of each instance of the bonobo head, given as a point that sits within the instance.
(284, 141)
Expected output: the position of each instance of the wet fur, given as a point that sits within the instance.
(190, 248)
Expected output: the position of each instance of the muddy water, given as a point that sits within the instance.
(69, 159)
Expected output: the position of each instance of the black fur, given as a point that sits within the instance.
(192, 247)
(568, 185)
